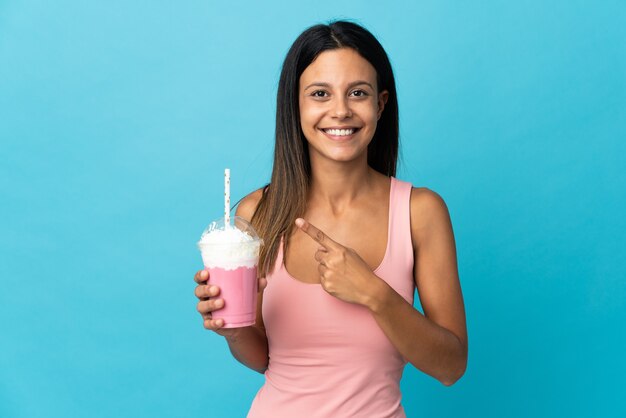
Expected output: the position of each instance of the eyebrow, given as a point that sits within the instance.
(354, 83)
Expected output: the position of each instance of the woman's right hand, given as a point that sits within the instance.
(209, 302)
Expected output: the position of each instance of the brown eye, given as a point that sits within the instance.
(319, 93)
(359, 93)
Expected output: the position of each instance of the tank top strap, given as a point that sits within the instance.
(400, 209)
(400, 244)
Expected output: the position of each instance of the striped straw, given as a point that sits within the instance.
(226, 197)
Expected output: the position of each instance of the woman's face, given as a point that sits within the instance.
(339, 104)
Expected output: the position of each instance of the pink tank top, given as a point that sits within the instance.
(329, 358)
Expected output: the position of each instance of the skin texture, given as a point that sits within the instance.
(342, 236)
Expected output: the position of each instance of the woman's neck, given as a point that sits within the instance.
(337, 185)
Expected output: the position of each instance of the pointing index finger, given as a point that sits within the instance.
(316, 234)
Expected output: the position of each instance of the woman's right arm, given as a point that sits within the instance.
(247, 344)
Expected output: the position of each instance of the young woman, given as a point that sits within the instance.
(346, 245)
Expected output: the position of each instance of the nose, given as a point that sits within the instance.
(341, 108)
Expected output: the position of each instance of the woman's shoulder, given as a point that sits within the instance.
(248, 205)
(428, 210)
(422, 198)
(425, 196)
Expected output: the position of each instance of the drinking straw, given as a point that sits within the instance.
(227, 197)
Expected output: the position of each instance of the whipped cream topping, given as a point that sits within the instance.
(229, 248)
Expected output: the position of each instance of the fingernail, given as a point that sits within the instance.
(203, 273)
(212, 289)
(219, 303)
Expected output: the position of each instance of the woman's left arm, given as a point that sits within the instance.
(434, 342)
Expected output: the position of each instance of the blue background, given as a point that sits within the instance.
(117, 119)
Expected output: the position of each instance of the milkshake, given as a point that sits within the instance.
(230, 254)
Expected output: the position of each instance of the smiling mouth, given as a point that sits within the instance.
(340, 132)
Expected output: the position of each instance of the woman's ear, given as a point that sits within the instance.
(382, 101)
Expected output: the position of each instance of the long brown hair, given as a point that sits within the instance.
(285, 198)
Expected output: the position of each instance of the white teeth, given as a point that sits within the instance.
(339, 132)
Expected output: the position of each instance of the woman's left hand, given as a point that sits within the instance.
(343, 273)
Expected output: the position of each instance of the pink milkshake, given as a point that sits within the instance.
(230, 254)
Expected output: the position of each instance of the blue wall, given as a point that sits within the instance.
(117, 119)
